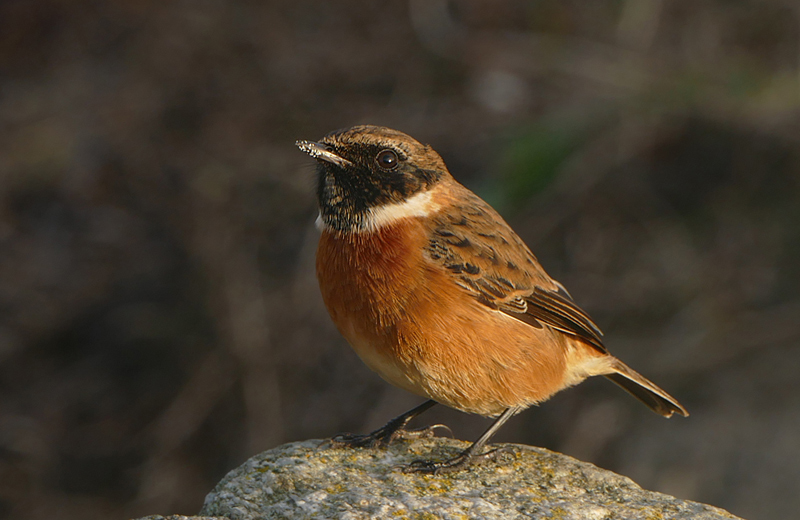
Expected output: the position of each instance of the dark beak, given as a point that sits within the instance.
(322, 152)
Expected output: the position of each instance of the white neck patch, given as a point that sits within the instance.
(419, 205)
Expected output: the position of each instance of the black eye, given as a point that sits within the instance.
(387, 159)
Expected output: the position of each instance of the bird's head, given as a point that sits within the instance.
(364, 169)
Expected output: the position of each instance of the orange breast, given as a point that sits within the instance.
(412, 324)
(366, 281)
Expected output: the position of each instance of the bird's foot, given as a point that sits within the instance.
(459, 463)
(383, 437)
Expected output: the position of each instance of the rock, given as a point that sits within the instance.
(309, 480)
(179, 517)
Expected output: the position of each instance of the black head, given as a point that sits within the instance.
(365, 167)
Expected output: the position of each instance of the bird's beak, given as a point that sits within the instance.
(322, 152)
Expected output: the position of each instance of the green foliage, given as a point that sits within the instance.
(534, 157)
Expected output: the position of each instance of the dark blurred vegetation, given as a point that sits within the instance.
(160, 316)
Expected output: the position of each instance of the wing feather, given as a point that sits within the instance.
(488, 260)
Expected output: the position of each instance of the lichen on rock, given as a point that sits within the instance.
(311, 480)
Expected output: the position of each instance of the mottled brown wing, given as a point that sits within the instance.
(487, 258)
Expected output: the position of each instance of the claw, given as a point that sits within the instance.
(435, 427)
(458, 463)
(426, 467)
(421, 433)
(383, 437)
(394, 429)
(351, 440)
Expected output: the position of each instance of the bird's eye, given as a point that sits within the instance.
(387, 160)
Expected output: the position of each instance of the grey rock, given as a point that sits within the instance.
(179, 517)
(310, 480)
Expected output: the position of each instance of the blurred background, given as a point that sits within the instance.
(160, 320)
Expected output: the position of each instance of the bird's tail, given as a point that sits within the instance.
(645, 390)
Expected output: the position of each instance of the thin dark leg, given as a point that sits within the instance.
(383, 436)
(466, 457)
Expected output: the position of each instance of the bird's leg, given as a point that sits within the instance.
(391, 431)
(466, 457)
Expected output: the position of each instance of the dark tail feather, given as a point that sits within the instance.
(645, 390)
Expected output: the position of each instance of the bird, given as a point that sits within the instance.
(437, 294)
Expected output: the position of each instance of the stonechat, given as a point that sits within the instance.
(439, 296)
